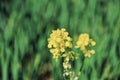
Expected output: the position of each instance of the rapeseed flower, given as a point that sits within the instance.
(58, 42)
(84, 42)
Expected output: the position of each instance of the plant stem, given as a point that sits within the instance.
(83, 59)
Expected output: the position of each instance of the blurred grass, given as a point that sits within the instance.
(25, 26)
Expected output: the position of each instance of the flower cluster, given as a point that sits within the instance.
(58, 42)
(84, 42)
(68, 57)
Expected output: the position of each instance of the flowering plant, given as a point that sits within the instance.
(60, 44)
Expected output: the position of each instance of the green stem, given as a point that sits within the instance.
(83, 59)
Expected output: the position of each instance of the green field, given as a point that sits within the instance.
(26, 25)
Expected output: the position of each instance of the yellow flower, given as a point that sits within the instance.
(93, 43)
(88, 52)
(55, 56)
(68, 55)
(54, 51)
(83, 42)
(59, 41)
(66, 65)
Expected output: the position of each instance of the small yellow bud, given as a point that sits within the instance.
(92, 51)
(93, 43)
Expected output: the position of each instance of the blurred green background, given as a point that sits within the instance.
(25, 26)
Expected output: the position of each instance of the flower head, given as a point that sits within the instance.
(83, 42)
(58, 42)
